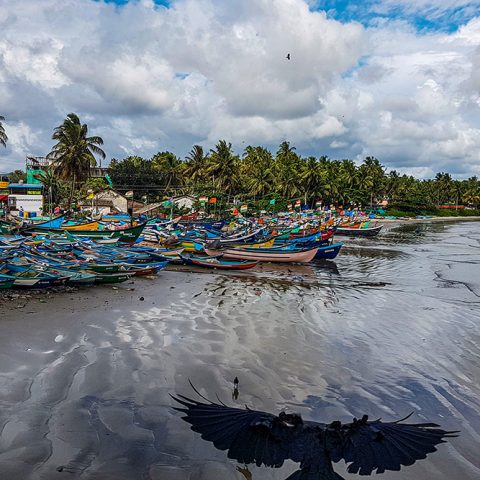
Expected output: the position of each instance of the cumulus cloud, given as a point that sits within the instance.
(147, 78)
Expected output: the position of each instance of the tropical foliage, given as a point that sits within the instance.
(259, 176)
(74, 153)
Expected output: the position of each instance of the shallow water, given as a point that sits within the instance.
(392, 326)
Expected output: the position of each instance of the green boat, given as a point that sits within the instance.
(6, 281)
(104, 267)
(6, 228)
(112, 277)
(127, 235)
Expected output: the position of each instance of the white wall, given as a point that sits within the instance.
(30, 203)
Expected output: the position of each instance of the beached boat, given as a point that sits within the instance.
(328, 252)
(218, 263)
(6, 281)
(6, 228)
(125, 235)
(112, 277)
(51, 223)
(80, 226)
(142, 270)
(357, 231)
(266, 255)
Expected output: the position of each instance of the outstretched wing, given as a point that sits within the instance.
(249, 436)
(379, 446)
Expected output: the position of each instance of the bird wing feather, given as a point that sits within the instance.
(250, 436)
(368, 446)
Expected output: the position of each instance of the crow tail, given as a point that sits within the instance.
(305, 474)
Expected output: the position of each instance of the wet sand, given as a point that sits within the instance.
(392, 326)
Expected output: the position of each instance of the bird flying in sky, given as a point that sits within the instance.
(251, 436)
(288, 56)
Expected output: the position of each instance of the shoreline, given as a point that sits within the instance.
(425, 220)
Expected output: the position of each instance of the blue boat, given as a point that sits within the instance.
(328, 252)
(56, 222)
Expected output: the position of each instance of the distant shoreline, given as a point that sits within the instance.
(425, 220)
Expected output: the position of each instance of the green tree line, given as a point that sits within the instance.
(261, 174)
(256, 175)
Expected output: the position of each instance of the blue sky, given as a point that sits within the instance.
(423, 15)
(434, 15)
(394, 79)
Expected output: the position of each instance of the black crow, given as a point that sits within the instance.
(288, 56)
(251, 436)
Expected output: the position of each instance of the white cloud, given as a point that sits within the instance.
(148, 78)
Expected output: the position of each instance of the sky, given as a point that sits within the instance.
(394, 79)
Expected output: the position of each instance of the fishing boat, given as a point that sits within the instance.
(6, 281)
(142, 270)
(266, 255)
(80, 226)
(36, 279)
(118, 277)
(125, 235)
(6, 228)
(328, 252)
(218, 263)
(52, 223)
(357, 231)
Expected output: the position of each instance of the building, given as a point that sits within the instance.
(25, 197)
(34, 167)
(3, 194)
(185, 202)
(111, 201)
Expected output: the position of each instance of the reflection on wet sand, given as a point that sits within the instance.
(85, 378)
(251, 436)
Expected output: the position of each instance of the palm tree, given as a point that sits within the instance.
(222, 166)
(74, 153)
(443, 183)
(256, 171)
(287, 170)
(373, 175)
(3, 135)
(311, 177)
(169, 167)
(196, 162)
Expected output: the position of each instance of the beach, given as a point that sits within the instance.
(388, 328)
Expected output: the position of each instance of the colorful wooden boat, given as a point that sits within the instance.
(52, 223)
(6, 228)
(142, 270)
(266, 255)
(112, 277)
(356, 231)
(6, 281)
(218, 263)
(80, 226)
(126, 235)
(328, 252)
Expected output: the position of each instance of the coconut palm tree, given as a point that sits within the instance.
(222, 166)
(196, 163)
(311, 177)
(3, 135)
(74, 153)
(169, 167)
(256, 171)
(287, 170)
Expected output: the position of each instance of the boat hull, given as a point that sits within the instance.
(302, 256)
(359, 232)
